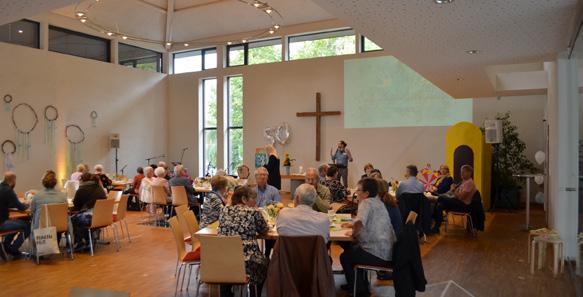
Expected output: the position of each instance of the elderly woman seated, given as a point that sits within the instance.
(214, 201)
(244, 219)
(337, 190)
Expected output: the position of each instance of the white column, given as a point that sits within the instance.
(44, 36)
(563, 116)
(167, 62)
(114, 51)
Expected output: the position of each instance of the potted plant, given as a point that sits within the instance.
(287, 163)
(508, 159)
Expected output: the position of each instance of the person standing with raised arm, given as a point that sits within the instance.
(341, 157)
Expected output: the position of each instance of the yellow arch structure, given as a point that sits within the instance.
(465, 133)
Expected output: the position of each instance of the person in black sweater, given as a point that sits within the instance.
(274, 177)
(8, 200)
(89, 191)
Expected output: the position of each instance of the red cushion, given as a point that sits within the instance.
(115, 218)
(188, 240)
(192, 256)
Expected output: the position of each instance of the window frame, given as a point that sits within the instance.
(228, 126)
(289, 42)
(246, 51)
(159, 62)
(203, 124)
(362, 45)
(63, 30)
(38, 37)
(202, 57)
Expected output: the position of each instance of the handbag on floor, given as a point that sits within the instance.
(46, 238)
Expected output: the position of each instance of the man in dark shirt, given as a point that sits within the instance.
(180, 179)
(9, 200)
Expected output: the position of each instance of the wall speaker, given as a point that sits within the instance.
(493, 131)
(114, 141)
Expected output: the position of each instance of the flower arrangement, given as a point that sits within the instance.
(273, 210)
(287, 160)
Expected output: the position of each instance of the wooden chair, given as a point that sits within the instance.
(119, 215)
(115, 195)
(159, 200)
(179, 197)
(181, 209)
(222, 261)
(102, 217)
(464, 215)
(368, 269)
(185, 259)
(2, 235)
(59, 218)
(190, 226)
(91, 292)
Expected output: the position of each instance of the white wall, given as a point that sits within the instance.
(130, 102)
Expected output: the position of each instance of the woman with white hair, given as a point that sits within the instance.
(160, 180)
(77, 174)
(105, 181)
(146, 185)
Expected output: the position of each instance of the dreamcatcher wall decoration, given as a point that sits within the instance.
(7, 102)
(93, 116)
(51, 115)
(8, 149)
(23, 144)
(75, 136)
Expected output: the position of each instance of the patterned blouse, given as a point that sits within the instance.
(246, 222)
(336, 189)
(211, 208)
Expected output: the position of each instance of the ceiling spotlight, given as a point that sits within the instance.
(244, 40)
(168, 43)
(20, 31)
(472, 52)
(443, 1)
(83, 20)
(80, 14)
(276, 26)
(110, 33)
(124, 37)
(229, 42)
(186, 44)
(271, 31)
(268, 10)
(257, 4)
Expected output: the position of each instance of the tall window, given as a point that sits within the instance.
(234, 122)
(367, 45)
(197, 60)
(209, 126)
(78, 44)
(255, 52)
(22, 32)
(323, 44)
(141, 58)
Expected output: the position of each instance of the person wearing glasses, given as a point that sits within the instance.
(266, 194)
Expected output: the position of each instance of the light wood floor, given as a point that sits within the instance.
(493, 264)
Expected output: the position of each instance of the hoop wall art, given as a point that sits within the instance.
(8, 149)
(24, 130)
(93, 116)
(50, 118)
(75, 136)
(7, 102)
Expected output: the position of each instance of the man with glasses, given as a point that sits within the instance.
(266, 194)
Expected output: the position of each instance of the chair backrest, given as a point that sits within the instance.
(179, 196)
(222, 260)
(158, 195)
(122, 207)
(188, 222)
(178, 238)
(102, 213)
(91, 292)
(58, 216)
(180, 209)
(115, 195)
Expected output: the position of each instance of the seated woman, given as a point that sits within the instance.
(337, 190)
(391, 205)
(160, 180)
(444, 181)
(242, 218)
(243, 174)
(367, 170)
(214, 201)
(105, 181)
(47, 196)
(457, 199)
(89, 191)
(80, 170)
(146, 185)
(373, 236)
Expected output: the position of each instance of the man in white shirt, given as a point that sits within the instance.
(303, 219)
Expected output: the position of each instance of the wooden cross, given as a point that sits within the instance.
(318, 114)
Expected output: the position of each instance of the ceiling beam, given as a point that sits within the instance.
(201, 5)
(152, 5)
(169, 20)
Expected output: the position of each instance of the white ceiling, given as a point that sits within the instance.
(431, 38)
(194, 19)
(14, 10)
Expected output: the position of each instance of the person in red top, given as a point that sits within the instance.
(134, 190)
(458, 198)
(137, 181)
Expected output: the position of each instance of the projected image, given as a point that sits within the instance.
(384, 92)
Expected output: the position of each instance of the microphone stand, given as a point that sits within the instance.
(123, 168)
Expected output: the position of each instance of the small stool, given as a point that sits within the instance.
(558, 256)
(465, 215)
(538, 232)
(368, 268)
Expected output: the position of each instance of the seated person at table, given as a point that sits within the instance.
(146, 185)
(391, 205)
(303, 219)
(47, 196)
(322, 171)
(243, 175)
(457, 199)
(134, 190)
(242, 218)
(214, 201)
(375, 173)
(322, 203)
(368, 168)
(373, 236)
(160, 180)
(181, 179)
(444, 181)
(337, 190)
(80, 170)
(8, 200)
(266, 194)
(411, 184)
(89, 191)
(105, 181)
